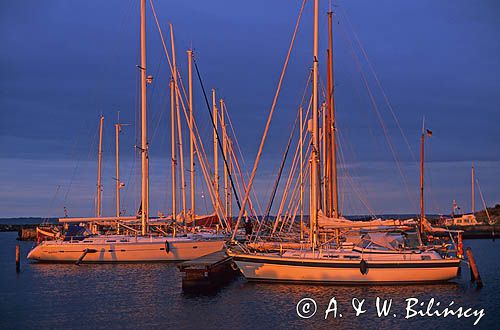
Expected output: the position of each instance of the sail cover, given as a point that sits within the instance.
(337, 223)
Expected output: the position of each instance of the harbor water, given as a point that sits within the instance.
(131, 296)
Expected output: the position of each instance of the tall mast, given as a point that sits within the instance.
(324, 162)
(216, 153)
(179, 127)
(224, 152)
(229, 194)
(144, 133)
(172, 139)
(327, 137)
(118, 129)
(301, 136)
(314, 191)
(98, 207)
(422, 213)
(333, 179)
(472, 190)
(191, 135)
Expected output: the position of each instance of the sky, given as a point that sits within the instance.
(64, 63)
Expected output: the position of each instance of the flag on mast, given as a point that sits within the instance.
(429, 132)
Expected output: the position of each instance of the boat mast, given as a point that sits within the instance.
(472, 190)
(118, 129)
(191, 134)
(314, 191)
(98, 207)
(179, 127)
(216, 154)
(327, 136)
(231, 171)
(224, 152)
(324, 161)
(144, 136)
(119, 184)
(99, 170)
(332, 159)
(174, 160)
(301, 143)
(422, 212)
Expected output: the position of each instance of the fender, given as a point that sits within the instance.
(363, 267)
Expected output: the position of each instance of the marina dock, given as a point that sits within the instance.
(208, 272)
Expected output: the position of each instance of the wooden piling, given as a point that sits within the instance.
(18, 258)
(474, 272)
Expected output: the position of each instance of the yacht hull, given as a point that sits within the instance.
(140, 250)
(278, 269)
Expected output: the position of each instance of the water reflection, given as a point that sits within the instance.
(149, 295)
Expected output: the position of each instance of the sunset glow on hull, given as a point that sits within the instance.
(111, 249)
(286, 269)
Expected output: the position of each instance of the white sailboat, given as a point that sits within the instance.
(371, 256)
(142, 247)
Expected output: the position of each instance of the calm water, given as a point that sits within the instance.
(138, 296)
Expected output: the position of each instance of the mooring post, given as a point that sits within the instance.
(18, 258)
(474, 272)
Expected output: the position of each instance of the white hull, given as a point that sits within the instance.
(286, 269)
(124, 249)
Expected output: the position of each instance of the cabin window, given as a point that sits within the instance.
(111, 240)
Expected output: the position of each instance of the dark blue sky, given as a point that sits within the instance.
(63, 63)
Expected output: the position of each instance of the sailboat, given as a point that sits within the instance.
(141, 247)
(361, 255)
(464, 219)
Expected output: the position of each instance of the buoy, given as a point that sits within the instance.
(474, 272)
(363, 267)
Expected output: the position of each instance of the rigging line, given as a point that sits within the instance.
(192, 129)
(217, 204)
(242, 158)
(73, 177)
(273, 194)
(379, 117)
(217, 134)
(283, 201)
(160, 115)
(235, 161)
(296, 160)
(386, 98)
(295, 194)
(296, 191)
(73, 155)
(268, 124)
(349, 178)
(484, 203)
(289, 183)
(203, 154)
(280, 171)
(46, 219)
